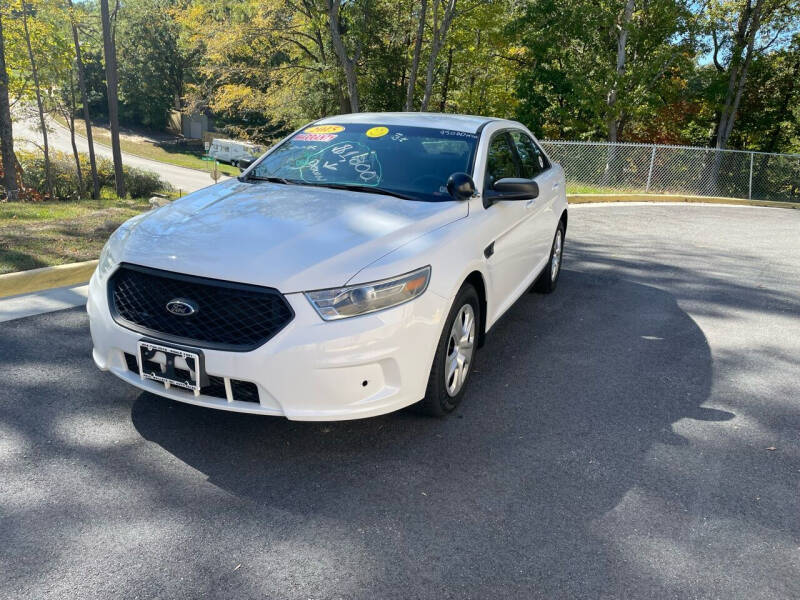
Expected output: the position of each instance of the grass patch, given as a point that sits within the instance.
(34, 235)
(165, 152)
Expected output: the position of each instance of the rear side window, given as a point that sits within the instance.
(500, 161)
(532, 159)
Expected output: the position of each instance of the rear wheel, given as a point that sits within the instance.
(455, 355)
(549, 277)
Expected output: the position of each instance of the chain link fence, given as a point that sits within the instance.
(602, 167)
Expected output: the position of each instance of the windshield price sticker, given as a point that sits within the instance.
(324, 129)
(315, 137)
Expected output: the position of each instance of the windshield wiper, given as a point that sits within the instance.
(369, 189)
(270, 179)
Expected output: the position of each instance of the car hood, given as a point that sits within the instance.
(293, 238)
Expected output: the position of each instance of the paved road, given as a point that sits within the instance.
(186, 180)
(614, 443)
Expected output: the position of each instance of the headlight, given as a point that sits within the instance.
(107, 261)
(338, 303)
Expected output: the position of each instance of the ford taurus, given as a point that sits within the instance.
(352, 270)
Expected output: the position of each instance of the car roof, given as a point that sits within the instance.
(465, 123)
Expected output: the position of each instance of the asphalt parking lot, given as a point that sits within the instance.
(634, 435)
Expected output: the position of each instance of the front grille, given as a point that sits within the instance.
(243, 391)
(230, 316)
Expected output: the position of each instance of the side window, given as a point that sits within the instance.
(500, 161)
(532, 158)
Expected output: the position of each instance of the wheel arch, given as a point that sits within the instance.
(563, 219)
(475, 278)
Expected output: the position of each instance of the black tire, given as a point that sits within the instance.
(438, 401)
(547, 281)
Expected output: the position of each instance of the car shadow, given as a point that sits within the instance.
(569, 393)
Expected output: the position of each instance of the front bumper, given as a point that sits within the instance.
(312, 370)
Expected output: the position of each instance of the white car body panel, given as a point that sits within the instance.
(297, 238)
(302, 239)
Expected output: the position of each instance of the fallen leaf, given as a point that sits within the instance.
(772, 448)
(236, 568)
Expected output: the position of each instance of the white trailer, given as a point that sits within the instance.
(232, 151)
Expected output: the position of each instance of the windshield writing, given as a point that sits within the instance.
(412, 161)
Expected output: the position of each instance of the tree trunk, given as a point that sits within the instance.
(439, 36)
(446, 83)
(71, 119)
(85, 102)
(110, 53)
(622, 30)
(348, 63)
(344, 101)
(6, 128)
(39, 104)
(412, 76)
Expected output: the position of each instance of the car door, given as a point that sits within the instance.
(510, 261)
(535, 165)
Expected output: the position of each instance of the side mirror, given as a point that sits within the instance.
(244, 163)
(513, 188)
(460, 186)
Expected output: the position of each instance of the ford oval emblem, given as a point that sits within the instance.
(182, 307)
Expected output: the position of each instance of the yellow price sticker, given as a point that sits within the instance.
(324, 129)
(377, 132)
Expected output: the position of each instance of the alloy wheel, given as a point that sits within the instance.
(460, 347)
(558, 245)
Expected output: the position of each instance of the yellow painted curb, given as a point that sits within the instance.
(589, 198)
(23, 282)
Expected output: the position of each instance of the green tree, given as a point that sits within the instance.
(741, 31)
(42, 61)
(110, 56)
(81, 73)
(6, 128)
(770, 109)
(592, 69)
(152, 62)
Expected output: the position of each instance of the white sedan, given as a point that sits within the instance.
(352, 270)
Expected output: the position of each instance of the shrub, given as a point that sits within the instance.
(142, 184)
(138, 183)
(62, 172)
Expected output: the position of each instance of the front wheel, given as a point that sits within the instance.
(455, 355)
(549, 277)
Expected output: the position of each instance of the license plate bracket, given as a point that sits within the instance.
(172, 365)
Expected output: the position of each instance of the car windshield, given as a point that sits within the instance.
(412, 162)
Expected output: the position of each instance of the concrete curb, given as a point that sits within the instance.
(605, 198)
(35, 280)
